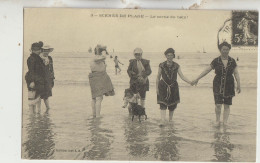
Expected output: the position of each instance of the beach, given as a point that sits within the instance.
(69, 132)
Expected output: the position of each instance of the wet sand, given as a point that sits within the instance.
(68, 131)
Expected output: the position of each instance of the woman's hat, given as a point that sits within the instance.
(37, 45)
(138, 50)
(47, 48)
(224, 44)
(169, 50)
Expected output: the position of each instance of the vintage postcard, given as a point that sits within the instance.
(139, 85)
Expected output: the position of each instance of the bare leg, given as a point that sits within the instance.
(170, 115)
(47, 103)
(98, 105)
(93, 103)
(218, 112)
(32, 108)
(130, 109)
(116, 70)
(226, 114)
(38, 105)
(163, 116)
(119, 69)
(143, 103)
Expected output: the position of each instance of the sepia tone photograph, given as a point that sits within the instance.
(139, 85)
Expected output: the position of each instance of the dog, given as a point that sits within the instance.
(138, 110)
(134, 107)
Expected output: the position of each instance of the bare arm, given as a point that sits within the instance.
(99, 58)
(236, 74)
(158, 79)
(205, 72)
(120, 62)
(125, 102)
(182, 76)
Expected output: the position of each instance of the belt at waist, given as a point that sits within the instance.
(168, 89)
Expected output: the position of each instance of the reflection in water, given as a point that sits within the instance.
(100, 142)
(222, 146)
(136, 138)
(40, 144)
(166, 146)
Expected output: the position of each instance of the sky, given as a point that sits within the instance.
(74, 30)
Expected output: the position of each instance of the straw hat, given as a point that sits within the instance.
(47, 48)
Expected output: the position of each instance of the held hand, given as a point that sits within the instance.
(238, 89)
(189, 82)
(194, 82)
(32, 85)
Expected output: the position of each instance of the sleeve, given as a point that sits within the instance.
(161, 65)
(131, 74)
(148, 70)
(235, 63)
(51, 67)
(213, 64)
(178, 66)
(31, 72)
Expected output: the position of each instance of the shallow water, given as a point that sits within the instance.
(68, 130)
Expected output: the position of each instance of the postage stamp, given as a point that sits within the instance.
(245, 28)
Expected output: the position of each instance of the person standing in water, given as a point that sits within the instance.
(116, 64)
(167, 86)
(223, 85)
(35, 77)
(138, 70)
(49, 75)
(100, 82)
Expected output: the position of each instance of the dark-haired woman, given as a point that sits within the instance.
(223, 85)
(35, 76)
(167, 86)
(99, 80)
